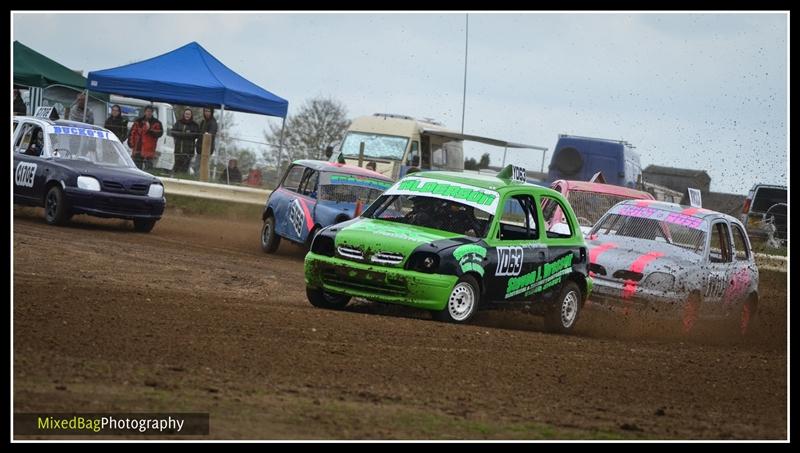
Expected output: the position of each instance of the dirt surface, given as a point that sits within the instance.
(193, 317)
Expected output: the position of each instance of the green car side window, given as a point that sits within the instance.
(550, 207)
(518, 221)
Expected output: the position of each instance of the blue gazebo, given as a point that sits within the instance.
(189, 75)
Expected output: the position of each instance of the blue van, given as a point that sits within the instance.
(579, 158)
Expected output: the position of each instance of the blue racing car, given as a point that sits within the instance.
(76, 168)
(314, 194)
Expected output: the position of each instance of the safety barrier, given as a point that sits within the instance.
(212, 191)
(775, 263)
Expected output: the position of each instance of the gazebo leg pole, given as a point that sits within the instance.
(221, 127)
(33, 100)
(85, 105)
(280, 153)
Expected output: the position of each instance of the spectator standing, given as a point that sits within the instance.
(76, 110)
(20, 108)
(254, 178)
(233, 171)
(185, 132)
(117, 123)
(144, 138)
(207, 124)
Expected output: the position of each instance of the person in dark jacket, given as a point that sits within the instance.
(233, 171)
(117, 123)
(19, 105)
(207, 124)
(185, 132)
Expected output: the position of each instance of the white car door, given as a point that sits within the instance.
(719, 268)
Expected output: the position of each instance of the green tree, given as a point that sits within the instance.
(470, 164)
(484, 162)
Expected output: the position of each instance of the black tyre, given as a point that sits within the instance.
(321, 299)
(463, 301)
(562, 315)
(143, 225)
(269, 240)
(56, 211)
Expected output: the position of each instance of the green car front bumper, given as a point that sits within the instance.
(378, 283)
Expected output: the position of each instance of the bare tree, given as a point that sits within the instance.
(321, 122)
(224, 136)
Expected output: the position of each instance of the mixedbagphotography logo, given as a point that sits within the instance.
(111, 424)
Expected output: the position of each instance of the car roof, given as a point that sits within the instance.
(68, 123)
(325, 166)
(768, 186)
(49, 125)
(63, 123)
(597, 187)
(484, 181)
(703, 213)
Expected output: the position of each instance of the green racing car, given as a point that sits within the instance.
(452, 243)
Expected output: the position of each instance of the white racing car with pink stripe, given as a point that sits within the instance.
(673, 261)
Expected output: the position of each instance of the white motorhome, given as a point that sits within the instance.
(133, 108)
(398, 142)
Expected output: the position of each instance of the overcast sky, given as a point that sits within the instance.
(701, 91)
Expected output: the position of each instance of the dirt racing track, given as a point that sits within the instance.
(195, 318)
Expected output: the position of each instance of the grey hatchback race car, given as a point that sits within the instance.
(673, 261)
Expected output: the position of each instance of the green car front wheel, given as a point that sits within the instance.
(463, 301)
